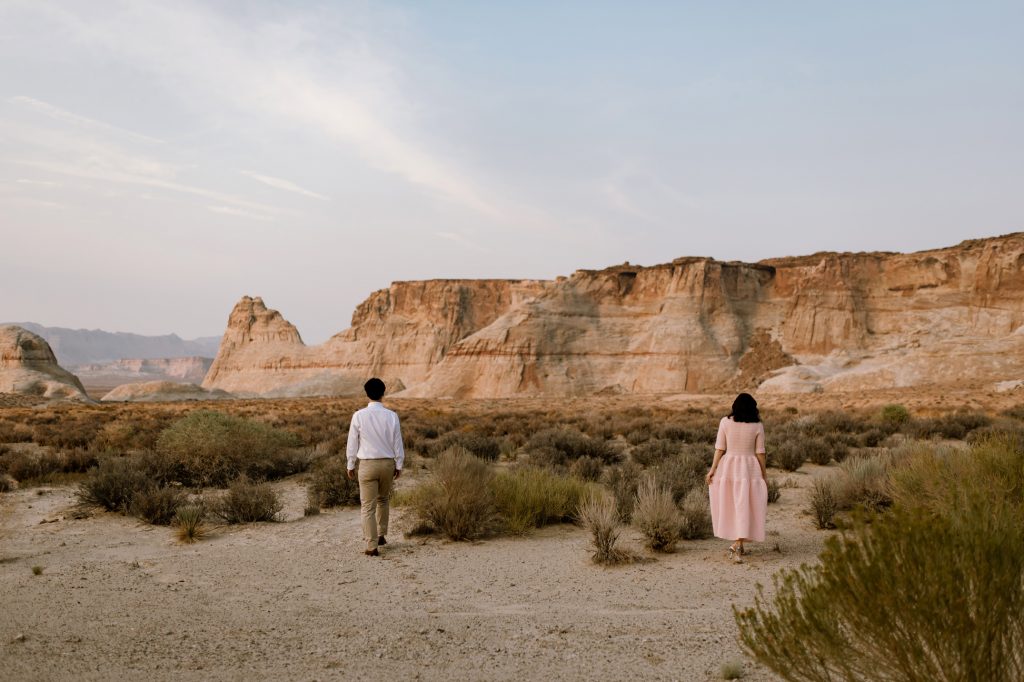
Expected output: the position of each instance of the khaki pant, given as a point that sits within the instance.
(375, 477)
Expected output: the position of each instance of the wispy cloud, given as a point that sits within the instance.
(40, 183)
(64, 116)
(349, 93)
(286, 185)
(241, 213)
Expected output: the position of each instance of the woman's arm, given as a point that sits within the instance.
(714, 466)
(762, 459)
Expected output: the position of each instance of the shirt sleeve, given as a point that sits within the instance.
(353, 442)
(759, 440)
(398, 445)
(720, 442)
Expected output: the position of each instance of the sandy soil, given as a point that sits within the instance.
(297, 600)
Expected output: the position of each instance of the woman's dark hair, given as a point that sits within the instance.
(374, 389)
(744, 409)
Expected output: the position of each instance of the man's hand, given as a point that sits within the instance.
(398, 473)
(351, 474)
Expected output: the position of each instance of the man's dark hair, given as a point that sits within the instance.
(374, 389)
(744, 409)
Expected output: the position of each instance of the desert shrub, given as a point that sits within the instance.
(484, 447)
(571, 444)
(248, 502)
(731, 670)
(112, 484)
(864, 481)
(156, 504)
(656, 515)
(789, 455)
(894, 415)
(884, 605)
(529, 497)
(586, 468)
(871, 438)
(190, 522)
(329, 486)
(774, 490)
(654, 451)
(623, 481)
(817, 450)
(457, 499)
(211, 448)
(1002, 429)
(599, 515)
(837, 422)
(695, 515)
(684, 471)
(6, 483)
(825, 496)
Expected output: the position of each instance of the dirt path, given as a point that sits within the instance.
(297, 600)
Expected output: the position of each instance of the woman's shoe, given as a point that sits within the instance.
(735, 553)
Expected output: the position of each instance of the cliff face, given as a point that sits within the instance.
(822, 322)
(190, 369)
(28, 366)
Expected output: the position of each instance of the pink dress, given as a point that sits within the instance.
(739, 494)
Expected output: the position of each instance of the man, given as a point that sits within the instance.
(375, 439)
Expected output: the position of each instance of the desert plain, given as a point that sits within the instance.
(96, 595)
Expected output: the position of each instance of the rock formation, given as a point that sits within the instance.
(188, 369)
(828, 321)
(162, 391)
(28, 367)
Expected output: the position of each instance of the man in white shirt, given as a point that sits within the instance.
(375, 440)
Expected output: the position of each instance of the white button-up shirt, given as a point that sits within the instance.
(375, 434)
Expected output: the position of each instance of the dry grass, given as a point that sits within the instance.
(456, 500)
(599, 515)
(657, 516)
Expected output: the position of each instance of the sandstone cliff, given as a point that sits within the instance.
(187, 369)
(829, 321)
(29, 367)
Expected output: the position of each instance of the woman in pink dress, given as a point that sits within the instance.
(737, 480)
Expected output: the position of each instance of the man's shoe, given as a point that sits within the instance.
(381, 541)
(371, 552)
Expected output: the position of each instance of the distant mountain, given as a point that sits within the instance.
(85, 346)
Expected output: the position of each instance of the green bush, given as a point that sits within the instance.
(684, 471)
(623, 481)
(528, 498)
(189, 520)
(894, 415)
(210, 448)
(695, 513)
(930, 590)
(654, 451)
(113, 484)
(248, 502)
(562, 445)
(587, 469)
(156, 504)
(774, 490)
(789, 455)
(329, 485)
(656, 515)
(484, 447)
(817, 450)
(457, 499)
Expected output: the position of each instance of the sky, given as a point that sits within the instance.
(159, 160)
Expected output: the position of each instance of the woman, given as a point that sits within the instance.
(737, 480)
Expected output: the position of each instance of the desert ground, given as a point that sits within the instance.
(93, 595)
(297, 600)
